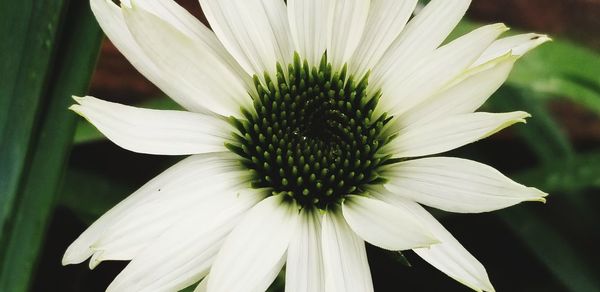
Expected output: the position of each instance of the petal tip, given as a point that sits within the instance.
(541, 196)
(76, 108)
(521, 117)
(541, 38)
(481, 284)
(428, 242)
(67, 259)
(524, 115)
(78, 99)
(95, 260)
(488, 287)
(501, 27)
(432, 240)
(75, 255)
(536, 195)
(535, 40)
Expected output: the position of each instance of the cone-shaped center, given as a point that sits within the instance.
(311, 134)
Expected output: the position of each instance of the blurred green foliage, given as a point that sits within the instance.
(51, 54)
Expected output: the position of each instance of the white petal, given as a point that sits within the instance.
(202, 286)
(346, 26)
(165, 132)
(175, 181)
(254, 252)
(175, 15)
(423, 34)
(189, 64)
(344, 257)
(449, 256)
(256, 32)
(304, 267)
(442, 135)
(517, 45)
(308, 22)
(467, 94)
(184, 253)
(182, 20)
(140, 226)
(457, 185)
(386, 21)
(384, 225)
(111, 20)
(403, 89)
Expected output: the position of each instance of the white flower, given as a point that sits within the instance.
(305, 124)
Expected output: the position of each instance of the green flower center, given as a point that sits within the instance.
(311, 134)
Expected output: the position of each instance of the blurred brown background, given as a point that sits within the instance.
(579, 20)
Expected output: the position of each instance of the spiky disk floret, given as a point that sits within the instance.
(312, 134)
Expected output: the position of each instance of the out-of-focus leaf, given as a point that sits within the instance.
(550, 247)
(278, 284)
(542, 134)
(28, 30)
(560, 68)
(89, 194)
(569, 179)
(569, 176)
(564, 69)
(77, 50)
(87, 133)
(462, 28)
(561, 168)
(562, 171)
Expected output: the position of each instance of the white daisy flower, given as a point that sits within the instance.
(305, 122)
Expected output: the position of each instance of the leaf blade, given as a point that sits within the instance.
(49, 148)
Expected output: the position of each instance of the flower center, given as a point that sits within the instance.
(312, 134)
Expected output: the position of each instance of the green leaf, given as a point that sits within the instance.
(552, 248)
(90, 194)
(569, 181)
(278, 284)
(552, 147)
(561, 166)
(541, 133)
(566, 176)
(561, 69)
(51, 138)
(87, 133)
(558, 69)
(29, 31)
